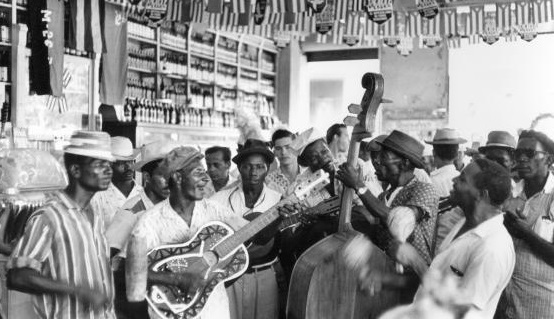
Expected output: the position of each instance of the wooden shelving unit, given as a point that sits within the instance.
(223, 70)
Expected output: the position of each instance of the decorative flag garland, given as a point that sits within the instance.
(357, 22)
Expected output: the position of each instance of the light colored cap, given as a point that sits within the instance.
(122, 149)
(152, 152)
(179, 158)
(499, 139)
(306, 138)
(446, 136)
(90, 144)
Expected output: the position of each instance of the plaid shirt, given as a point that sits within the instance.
(423, 197)
(530, 293)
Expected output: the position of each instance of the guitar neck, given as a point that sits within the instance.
(251, 229)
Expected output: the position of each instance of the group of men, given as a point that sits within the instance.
(84, 254)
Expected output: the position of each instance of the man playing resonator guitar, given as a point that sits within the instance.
(175, 220)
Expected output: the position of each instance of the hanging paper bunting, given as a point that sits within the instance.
(477, 20)
(474, 39)
(155, 10)
(239, 6)
(134, 2)
(405, 46)
(463, 21)
(430, 36)
(379, 11)
(319, 5)
(522, 13)
(325, 19)
(259, 11)
(454, 43)
(352, 34)
(389, 31)
(504, 18)
(528, 32)
(295, 6)
(543, 11)
(450, 24)
(428, 9)
(491, 34)
(341, 10)
(357, 5)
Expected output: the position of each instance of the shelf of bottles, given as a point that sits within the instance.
(202, 70)
(227, 51)
(174, 38)
(166, 112)
(202, 43)
(197, 77)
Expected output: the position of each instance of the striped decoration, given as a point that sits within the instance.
(85, 33)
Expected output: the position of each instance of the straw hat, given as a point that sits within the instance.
(90, 144)
(499, 139)
(446, 136)
(406, 146)
(152, 152)
(122, 149)
(253, 146)
(306, 138)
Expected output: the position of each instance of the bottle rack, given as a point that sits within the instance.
(203, 75)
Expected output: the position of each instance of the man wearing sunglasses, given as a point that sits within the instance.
(529, 219)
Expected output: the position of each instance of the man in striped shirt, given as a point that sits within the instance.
(63, 257)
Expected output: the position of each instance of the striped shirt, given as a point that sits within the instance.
(60, 244)
(530, 293)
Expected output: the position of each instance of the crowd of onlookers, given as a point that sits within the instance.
(487, 222)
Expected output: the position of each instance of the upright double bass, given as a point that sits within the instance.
(321, 284)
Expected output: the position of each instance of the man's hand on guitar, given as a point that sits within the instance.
(187, 282)
(349, 176)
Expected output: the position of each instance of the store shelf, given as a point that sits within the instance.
(5, 5)
(267, 94)
(172, 48)
(174, 76)
(228, 63)
(227, 87)
(270, 73)
(249, 68)
(132, 68)
(204, 82)
(247, 90)
(5, 44)
(202, 56)
(141, 39)
(21, 8)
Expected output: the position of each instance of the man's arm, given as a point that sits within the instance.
(349, 177)
(519, 229)
(30, 281)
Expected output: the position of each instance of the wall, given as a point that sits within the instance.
(502, 86)
(349, 73)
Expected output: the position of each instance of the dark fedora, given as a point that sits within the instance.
(406, 146)
(253, 146)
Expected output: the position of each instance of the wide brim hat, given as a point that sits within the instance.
(374, 143)
(306, 138)
(447, 136)
(406, 146)
(254, 146)
(122, 149)
(92, 144)
(499, 139)
(154, 151)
